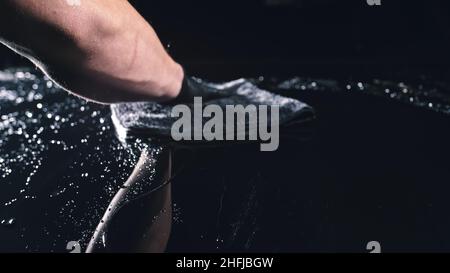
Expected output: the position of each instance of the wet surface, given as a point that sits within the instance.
(60, 161)
(373, 166)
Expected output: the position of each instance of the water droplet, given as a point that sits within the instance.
(8, 222)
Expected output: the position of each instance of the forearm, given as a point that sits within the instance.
(102, 49)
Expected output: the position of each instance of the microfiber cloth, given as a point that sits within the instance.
(151, 119)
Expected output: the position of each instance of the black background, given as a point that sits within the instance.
(306, 36)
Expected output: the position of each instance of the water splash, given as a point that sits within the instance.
(60, 161)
